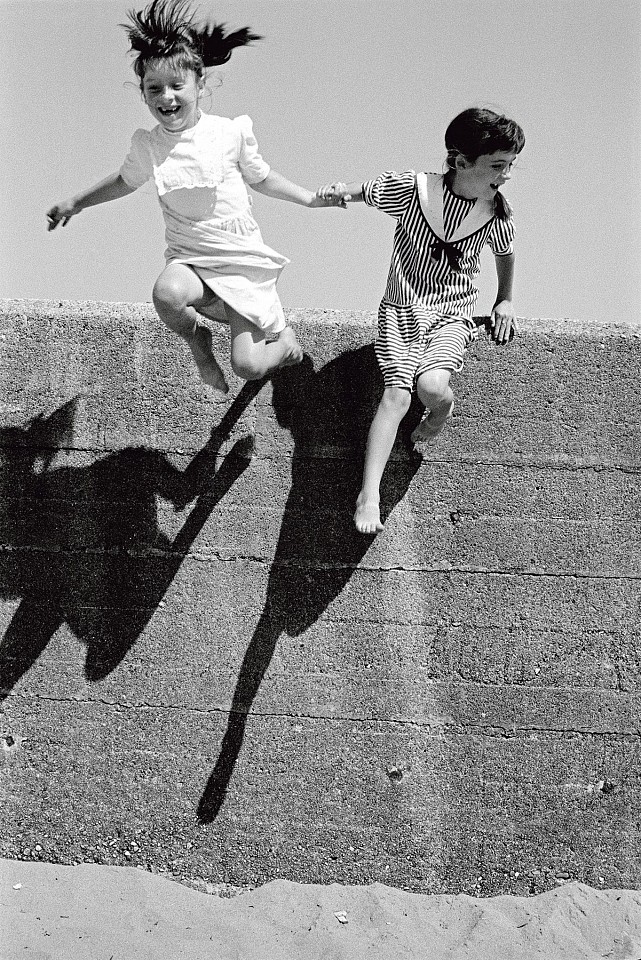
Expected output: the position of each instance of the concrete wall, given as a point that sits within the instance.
(205, 668)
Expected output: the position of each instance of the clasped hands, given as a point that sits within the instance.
(334, 194)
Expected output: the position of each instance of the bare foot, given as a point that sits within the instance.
(430, 427)
(209, 369)
(293, 349)
(367, 516)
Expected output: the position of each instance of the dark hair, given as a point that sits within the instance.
(165, 30)
(477, 131)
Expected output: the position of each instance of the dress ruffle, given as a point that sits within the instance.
(235, 264)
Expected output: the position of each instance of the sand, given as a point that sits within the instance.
(91, 912)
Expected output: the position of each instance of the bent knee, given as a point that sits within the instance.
(434, 387)
(396, 398)
(248, 369)
(170, 292)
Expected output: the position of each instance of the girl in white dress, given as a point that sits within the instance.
(425, 319)
(217, 264)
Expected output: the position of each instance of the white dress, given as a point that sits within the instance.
(200, 176)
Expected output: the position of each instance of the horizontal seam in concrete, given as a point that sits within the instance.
(548, 465)
(510, 572)
(441, 726)
(554, 466)
(495, 731)
(440, 568)
(463, 515)
(456, 461)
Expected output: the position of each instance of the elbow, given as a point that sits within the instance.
(261, 186)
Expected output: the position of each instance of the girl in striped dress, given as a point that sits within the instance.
(425, 319)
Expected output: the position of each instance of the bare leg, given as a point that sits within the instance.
(394, 404)
(252, 355)
(178, 292)
(434, 391)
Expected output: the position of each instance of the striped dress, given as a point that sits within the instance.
(425, 319)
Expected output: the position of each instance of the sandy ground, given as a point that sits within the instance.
(91, 912)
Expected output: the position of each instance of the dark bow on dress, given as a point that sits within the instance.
(452, 254)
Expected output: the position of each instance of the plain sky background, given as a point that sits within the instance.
(338, 90)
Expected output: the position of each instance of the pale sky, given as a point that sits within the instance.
(338, 89)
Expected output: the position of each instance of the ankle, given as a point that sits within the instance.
(367, 496)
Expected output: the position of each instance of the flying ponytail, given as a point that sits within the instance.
(165, 30)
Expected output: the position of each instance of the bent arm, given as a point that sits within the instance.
(111, 188)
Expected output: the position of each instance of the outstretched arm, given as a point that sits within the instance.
(111, 188)
(502, 320)
(280, 188)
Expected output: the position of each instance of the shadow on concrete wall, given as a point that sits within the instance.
(82, 545)
(328, 413)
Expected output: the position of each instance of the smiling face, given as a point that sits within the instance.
(172, 96)
(483, 176)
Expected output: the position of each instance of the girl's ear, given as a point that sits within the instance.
(461, 162)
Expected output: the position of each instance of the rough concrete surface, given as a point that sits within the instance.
(206, 670)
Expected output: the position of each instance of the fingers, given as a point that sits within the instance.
(502, 327)
(56, 216)
(331, 190)
(334, 194)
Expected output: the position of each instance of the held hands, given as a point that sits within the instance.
(61, 213)
(502, 322)
(334, 195)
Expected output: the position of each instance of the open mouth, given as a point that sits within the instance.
(168, 111)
